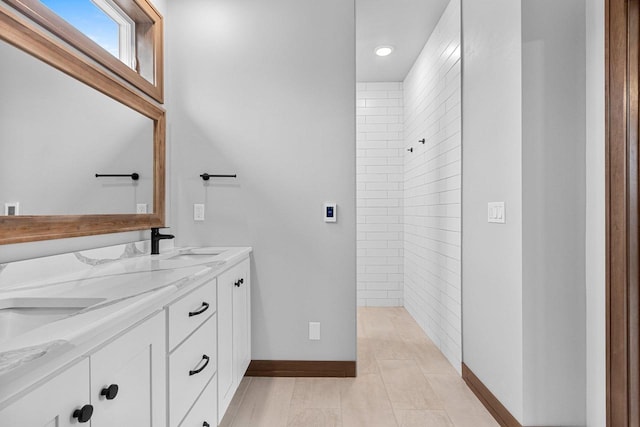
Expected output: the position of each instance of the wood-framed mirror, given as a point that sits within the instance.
(26, 37)
(137, 54)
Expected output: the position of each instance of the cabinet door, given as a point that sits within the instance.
(242, 323)
(226, 283)
(53, 403)
(135, 363)
(204, 411)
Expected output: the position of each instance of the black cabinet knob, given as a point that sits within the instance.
(110, 392)
(83, 414)
(206, 424)
(237, 284)
(241, 281)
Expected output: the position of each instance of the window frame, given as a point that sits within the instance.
(147, 31)
(126, 30)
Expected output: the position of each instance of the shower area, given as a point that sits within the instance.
(409, 164)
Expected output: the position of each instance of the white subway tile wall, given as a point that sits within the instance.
(432, 187)
(379, 193)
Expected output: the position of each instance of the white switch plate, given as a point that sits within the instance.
(141, 208)
(496, 212)
(12, 208)
(330, 212)
(198, 212)
(314, 331)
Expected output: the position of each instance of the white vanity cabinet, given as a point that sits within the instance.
(134, 363)
(234, 331)
(53, 403)
(128, 378)
(179, 367)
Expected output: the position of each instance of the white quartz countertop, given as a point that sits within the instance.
(119, 292)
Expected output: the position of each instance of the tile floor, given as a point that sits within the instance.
(403, 381)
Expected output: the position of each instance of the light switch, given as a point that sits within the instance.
(496, 212)
(198, 212)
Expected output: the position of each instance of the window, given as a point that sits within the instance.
(124, 36)
(103, 22)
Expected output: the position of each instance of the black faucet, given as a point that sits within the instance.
(155, 240)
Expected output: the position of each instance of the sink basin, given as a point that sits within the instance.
(191, 257)
(20, 315)
(197, 254)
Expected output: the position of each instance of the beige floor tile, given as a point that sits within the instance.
(362, 333)
(454, 393)
(407, 329)
(371, 417)
(431, 360)
(316, 393)
(377, 323)
(472, 419)
(393, 348)
(406, 386)
(462, 406)
(421, 418)
(366, 392)
(367, 357)
(403, 380)
(232, 410)
(266, 403)
(314, 417)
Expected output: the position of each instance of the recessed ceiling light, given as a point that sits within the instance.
(384, 50)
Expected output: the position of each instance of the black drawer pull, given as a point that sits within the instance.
(206, 424)
(206, 362)
(110, 392)
(205, 307)
(83, 414)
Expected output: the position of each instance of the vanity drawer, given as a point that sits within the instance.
(189, 312)
(205, 411)
(190, 370)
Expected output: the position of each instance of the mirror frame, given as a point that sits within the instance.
(46, 18)
(27, 36)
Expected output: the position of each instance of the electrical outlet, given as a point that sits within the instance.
(198, 212)
(141, 208)
(314, 331)
(12, 208)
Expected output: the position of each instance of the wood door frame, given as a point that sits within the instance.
(622, 44)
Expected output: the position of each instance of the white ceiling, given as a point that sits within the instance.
(403, 24)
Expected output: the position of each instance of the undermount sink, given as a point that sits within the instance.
(20, 315)
(190, 257)
(197, 254)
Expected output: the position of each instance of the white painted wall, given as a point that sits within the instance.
(379, 166)
(492, 171)
(524, 80)
(553, 206)
(595, 216)
(432, 187)
(267, 90)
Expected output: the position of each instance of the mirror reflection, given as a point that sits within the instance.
(57, 133)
